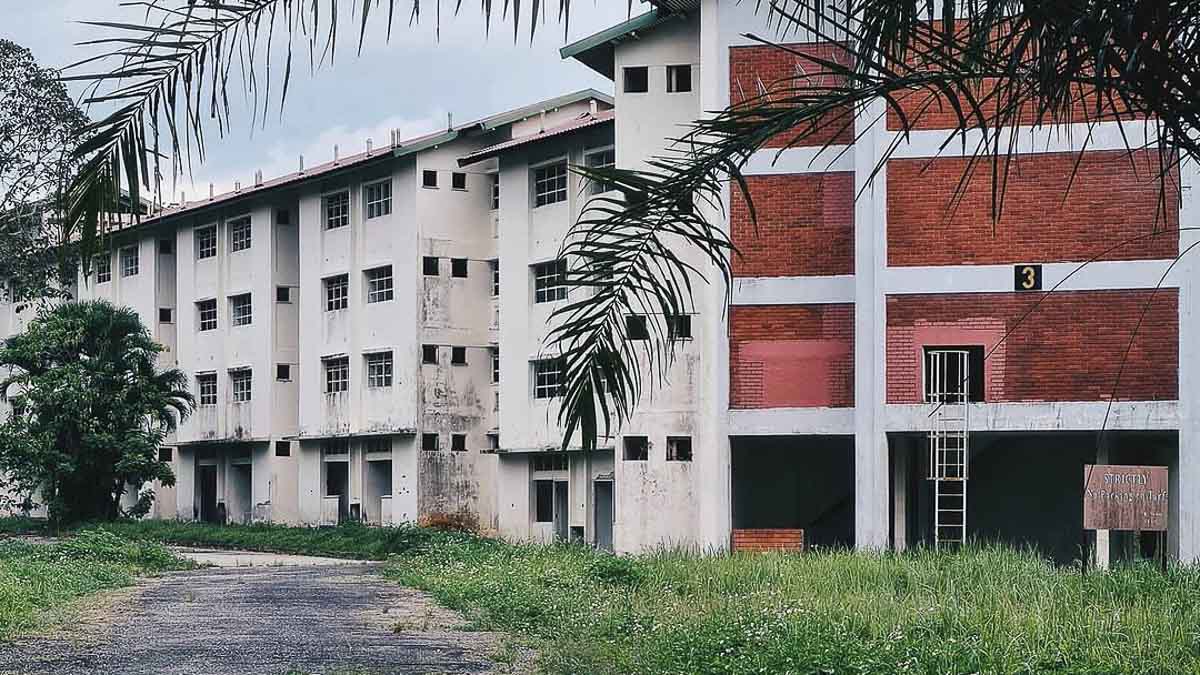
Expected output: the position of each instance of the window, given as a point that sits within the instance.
(283, 449)
(458, 268)
(493, 442)
(336, 447)
(240, 381)
(337, 292)
(603, 159)
(550, 281)
(679, 448)
(636, 328)
(495, 365)
(379, 198)
(637, 448)
(379, 284)
(428, 178)
(165, 315)
(283, 372)
(679, 327)
(283, 294)
(550, 461)
(206, 242)
(429, 354)
(495, 265)
(240, 235)
(550, 184)
(283, 217)
(495, 191)
(240, 310)
(103, 264)
(954, 374)
(458, 442)
(458, 356)
(429, 266)
(379, 370)
(547, 378)
(377, 445)
(207, 310)
(164, 454)
(337, 210)
(206, 388)
(337, 374)
(429, 442)
(458, 181)
(544, 498)
(679, 79)
(637, 80)
(166, 247)
(129, 261)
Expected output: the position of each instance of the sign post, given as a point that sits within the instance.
(1130, 498)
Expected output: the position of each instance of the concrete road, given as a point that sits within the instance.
(288, 616)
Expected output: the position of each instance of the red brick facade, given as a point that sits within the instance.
(1068, 349)
(804, 227)
(784, 356)
(767, 540)
(754, 71)
(1111, 200)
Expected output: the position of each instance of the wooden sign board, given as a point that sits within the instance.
(1117, 497)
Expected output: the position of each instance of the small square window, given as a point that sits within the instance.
(429, 178)
(337, 292)
(241, 310)
(337, 210)
(493, 442)
(379, 284)
(166, 315)
(206, 242)
(166, 247)
(379, 370)
(103, 264)
(429, 266)
(679, 79)
(240, 234)
(637, 80)
(337, 374)
(550, 184)
(458, 442)
(636, 327)
(458, 356)
(283, 294)
(458, 268)
(283, 449)
(207, 313)
(206, 389)
(378, 197)
(283, 217)
(679, 448)
(241, 382)
(429, 354)
(129, 261)
(164, 454)
(429, 442)
(283, 372)
(679, 327)
(637, 448)
(458, 181)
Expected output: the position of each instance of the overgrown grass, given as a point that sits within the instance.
(39, 580)
(987, 610)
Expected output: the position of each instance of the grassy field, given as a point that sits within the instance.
(39, 581)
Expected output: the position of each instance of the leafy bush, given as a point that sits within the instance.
(615, 571)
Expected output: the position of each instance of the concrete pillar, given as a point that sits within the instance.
(1186, 479)
(185, 483)
(1102, 555)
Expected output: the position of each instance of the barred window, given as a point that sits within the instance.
(495, 365)
(206, 242)
(240, 234)
(378, 198)
(337, 374)
(241, 381)
(495, 265)
(129, 261)
(554, 461)
(337, 292)
(550, 281)
(547, 378)
(335, 446)
(374, 445)
(241, 310)
(379, 370)
(206, 389)
(103, 268)
(379, 284)
(550, 184)
(602, 159)
(207, 311)
(337, 210)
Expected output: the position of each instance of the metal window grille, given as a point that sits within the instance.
(241, 381)
(206, 242)
(550, 281)
(337, 375)
(337, 210)
(103, 268)
(378, 198)
(207, 310)
(379, 284)
(240, 234)
(550, 184)
(206, 389)
(337, 293)
(603, 159)
(129, 261)
(379, 369)
(241, 310)
(547, 378)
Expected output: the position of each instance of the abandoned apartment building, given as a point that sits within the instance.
(367, 335)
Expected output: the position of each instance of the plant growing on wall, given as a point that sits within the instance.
(89, 409)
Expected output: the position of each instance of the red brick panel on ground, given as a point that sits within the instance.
(804, 225)
(785, 356)
(768, 540)
(1111, 200)
(754, 71)
(1068, 349)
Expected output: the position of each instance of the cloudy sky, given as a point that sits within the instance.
(410, 82)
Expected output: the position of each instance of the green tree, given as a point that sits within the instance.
(90, 410)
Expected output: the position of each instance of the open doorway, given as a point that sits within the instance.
(337, 488)
(378, 486)
(561, 511)
(239, 493)
(603, 491)
(206, 481)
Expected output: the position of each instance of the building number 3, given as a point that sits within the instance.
(1027, 277)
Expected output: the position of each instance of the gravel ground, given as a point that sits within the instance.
(331, 620)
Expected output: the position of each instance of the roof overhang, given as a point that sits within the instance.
(596, 51)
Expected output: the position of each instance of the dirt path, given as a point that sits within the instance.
(332, 619)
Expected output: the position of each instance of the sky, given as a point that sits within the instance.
(410, 82)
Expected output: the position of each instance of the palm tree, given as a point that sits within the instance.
(995, 64)
(94, 407)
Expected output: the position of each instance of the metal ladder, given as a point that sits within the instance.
(948, 389)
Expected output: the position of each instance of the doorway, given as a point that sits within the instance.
(603, 490)
(561, 508)
(207, 479)
(337, 479)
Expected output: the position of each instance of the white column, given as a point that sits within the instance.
(1187, 478)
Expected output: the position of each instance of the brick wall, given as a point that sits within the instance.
(1068, 349)
(767, 540)
(755, 70)
(1110, 201)
(784, 356)
(804, 226)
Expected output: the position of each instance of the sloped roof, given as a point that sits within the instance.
(582, 122)
(596, 50)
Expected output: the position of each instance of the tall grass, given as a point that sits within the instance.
(985, 610)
